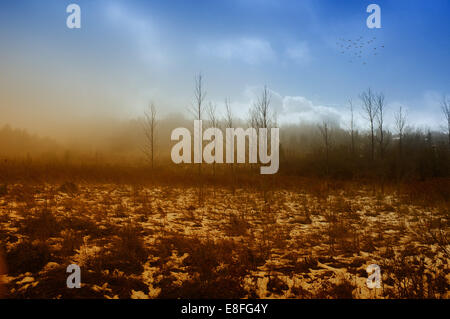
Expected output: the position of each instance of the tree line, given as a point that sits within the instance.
(327, 149)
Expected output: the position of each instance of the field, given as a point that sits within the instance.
(309, 239)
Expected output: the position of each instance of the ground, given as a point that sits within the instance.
(137, 241)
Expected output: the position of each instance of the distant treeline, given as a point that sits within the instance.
(420, 155)
(303, 152)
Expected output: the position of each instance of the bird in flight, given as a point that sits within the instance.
(360, 47)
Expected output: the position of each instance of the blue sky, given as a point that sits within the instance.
(130, 52)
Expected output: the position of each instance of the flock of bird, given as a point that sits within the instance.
(360, 49)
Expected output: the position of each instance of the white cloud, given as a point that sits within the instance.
(290, 109)
(248, 50)
(300, 109)
(297, 104)
(252, 93)
(312, 114)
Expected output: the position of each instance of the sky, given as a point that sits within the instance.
(128, 53)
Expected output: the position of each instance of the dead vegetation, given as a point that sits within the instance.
(309, 239)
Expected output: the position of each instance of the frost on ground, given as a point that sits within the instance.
(163, 242)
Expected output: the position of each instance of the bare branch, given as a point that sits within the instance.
(370, 110)
(150, 123)
(352, 126)
(379, 115)
(229, 114)
(197, 107)
(212, 110)
(261, 113)
(400, 122)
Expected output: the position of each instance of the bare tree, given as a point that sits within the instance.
(197, 109)
(324, 129)
(211, 111)
(370, 110)
(214, 122)
(260, 113)
(352, 127)
(380, 109)
(261, 109)
(253, 117)
(400, 124)
(150, 123)
(228, 114)
(229, 124)
(445, 104)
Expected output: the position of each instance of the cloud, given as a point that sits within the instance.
(299, 109)
(252, 93)
(297, 104)
(292, 109)
(248, 50)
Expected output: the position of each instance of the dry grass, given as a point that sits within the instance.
(308, 239)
